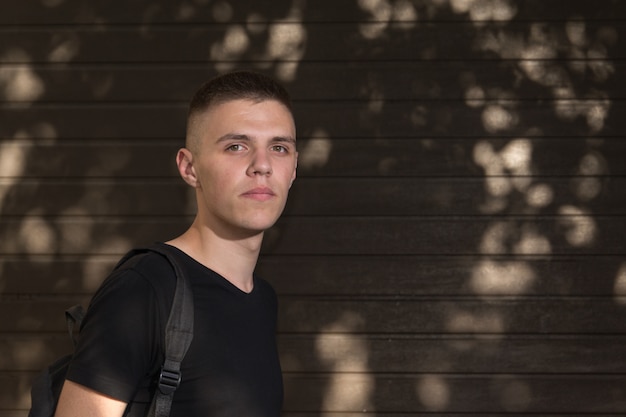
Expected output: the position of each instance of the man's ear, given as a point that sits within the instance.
(184, 162)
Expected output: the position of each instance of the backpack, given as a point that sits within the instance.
(46, 387)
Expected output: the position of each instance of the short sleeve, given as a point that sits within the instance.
(121, 337)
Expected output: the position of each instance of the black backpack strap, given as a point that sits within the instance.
(178, 334)
(73, 318)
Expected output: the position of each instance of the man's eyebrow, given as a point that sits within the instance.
(233, 136)
(244, 137)
(288, 139)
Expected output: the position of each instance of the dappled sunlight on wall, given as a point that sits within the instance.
(481, 11)
(316, 151)
(433, 392)
(382, 12)
(286, 40)
(453, 158)
(491, 278)
(19, 83)
(346, 356)
(619, 289)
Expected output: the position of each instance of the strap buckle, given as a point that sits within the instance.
(168, 381)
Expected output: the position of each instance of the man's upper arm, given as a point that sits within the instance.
(79, 401)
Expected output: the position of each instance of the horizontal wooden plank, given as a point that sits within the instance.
(393, 80)
(123, 159)
(340, 353)
(389, 315)
(428, 393)
(277, 42)
(441, 276)
(448, 236)
(350, 119)
(348, 353)
(145, 12)
(386, 196)
(543, 235)
(452, 316)
(442, 393)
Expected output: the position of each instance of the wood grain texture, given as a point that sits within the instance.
(351, 41)
(338, 119)
(389, 79)
(122, 159)
(146, 12)
(454, 243)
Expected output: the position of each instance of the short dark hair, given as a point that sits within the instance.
(239, 85)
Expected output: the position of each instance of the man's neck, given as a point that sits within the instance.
(234, 259)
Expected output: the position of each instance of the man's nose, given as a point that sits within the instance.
(260, 164)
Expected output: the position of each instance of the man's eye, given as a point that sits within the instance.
(280, 148)
(235, 147)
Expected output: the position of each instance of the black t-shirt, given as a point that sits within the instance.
(231, 367)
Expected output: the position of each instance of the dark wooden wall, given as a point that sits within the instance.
(454, 244)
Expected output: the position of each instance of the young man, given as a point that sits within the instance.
(240, 158)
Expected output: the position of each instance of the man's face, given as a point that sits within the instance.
(244, 164)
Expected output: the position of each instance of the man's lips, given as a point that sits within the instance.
(259, 194)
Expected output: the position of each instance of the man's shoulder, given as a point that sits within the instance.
(146, 266)
(145, 261)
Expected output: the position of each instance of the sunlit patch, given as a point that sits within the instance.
(497, 118)
(580, 227)
(316, 151)
(498, 186)
(67, 47)
(36, 235)
(592, 163)
(19, 82)
(539, 195)
(433, 392)
(531, 242)
(287, 44)
(381, 12)
(506, 170)
(466, 322)
(461, 6)
(256, 23)
(505, 237)
(484, 10)
(576, 32)
(586, 189)
(346, 353)
(475, 96)
(404, 11)
(502, 278)
(516, 156)
(13, 155)
(495, 238)
(601, 69)
(235, 42)
(343, 352)
(596, 114)
(619, 288)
